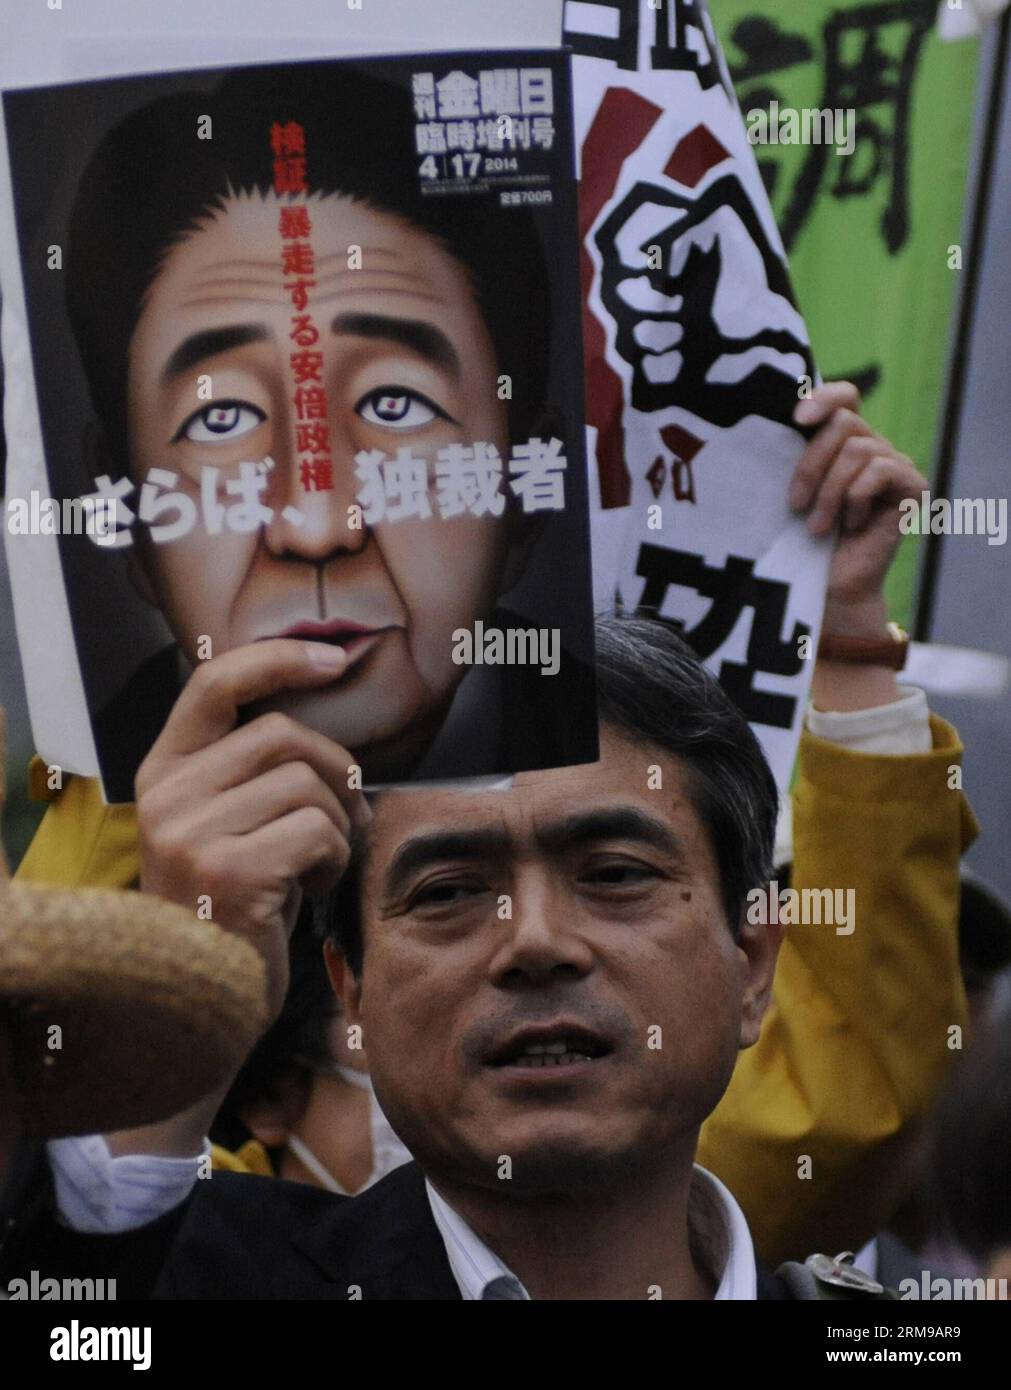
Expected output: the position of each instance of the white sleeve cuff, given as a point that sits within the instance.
(898, 729)
(99, 1194)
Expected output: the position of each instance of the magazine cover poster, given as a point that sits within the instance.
(306, 345)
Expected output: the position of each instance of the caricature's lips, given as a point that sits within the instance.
(356, 638)
(554, 1047)
(338, 631)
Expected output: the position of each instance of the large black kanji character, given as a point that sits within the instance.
(684, 40)
(767, 50)
(693, 379)
(623, 49)
(732, 589)
(861, 73)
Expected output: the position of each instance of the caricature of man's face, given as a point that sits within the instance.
(408, 361)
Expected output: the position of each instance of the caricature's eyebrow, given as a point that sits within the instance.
(198, 347)
(422, 338)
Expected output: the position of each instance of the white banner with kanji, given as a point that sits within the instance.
(694, 353)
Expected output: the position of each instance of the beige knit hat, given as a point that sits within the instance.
(120, 1009)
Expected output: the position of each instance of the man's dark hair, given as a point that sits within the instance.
(151, 180)
(652, 687)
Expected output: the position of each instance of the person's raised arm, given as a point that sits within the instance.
(813, 1132)
(234, 821)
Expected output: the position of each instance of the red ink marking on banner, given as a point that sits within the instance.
(694, 156)
(683, 481)
(681, 444)
(622, 122)
(684, 447)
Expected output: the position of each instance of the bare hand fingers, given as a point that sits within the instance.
(266, 742)
(304, 842)
(887, 479)
(243, 809)
(820, 453)
(824, 400)
(208, 706)
(852, 459)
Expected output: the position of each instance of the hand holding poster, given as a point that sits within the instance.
(312, 309)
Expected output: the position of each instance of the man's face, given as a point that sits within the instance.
(408, 363)
(549, 975)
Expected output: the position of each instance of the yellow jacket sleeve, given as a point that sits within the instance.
(814, 1133)
(81, 842)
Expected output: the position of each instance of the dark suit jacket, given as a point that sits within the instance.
(261, 1238)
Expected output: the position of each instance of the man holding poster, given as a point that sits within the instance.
(649, 351)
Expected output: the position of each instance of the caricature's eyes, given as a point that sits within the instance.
(398, 409)
(221, 424)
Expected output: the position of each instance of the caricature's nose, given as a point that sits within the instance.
(312, 495)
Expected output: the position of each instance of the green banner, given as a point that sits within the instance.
(874, 235)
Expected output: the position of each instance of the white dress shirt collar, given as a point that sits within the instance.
(721, 1238)
(719, 1234)
(474, 1266)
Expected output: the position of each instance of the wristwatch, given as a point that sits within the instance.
(888, 651)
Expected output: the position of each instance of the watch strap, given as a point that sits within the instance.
(888, 651)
